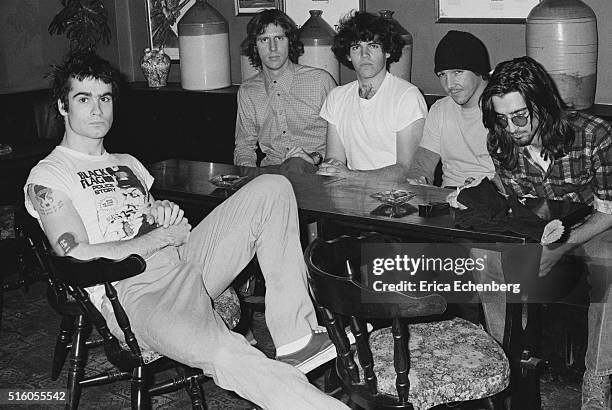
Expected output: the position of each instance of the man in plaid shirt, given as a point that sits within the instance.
(278, 108)
(542, 149)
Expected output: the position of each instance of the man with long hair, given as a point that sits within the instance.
(78, 189)
(278, 108)
(375, 123)
(542, 149)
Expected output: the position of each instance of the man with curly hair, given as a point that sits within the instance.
(278, 108)
(375, 123)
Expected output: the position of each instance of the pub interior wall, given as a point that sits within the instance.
(26, 49)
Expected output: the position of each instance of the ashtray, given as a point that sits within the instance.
(394, 197)
(229, 181)
(394, 211)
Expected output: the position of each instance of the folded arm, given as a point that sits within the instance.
(67, 235)
(407, 141)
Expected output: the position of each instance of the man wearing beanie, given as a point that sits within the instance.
(453, 130)
(375, 123)
(455, 134)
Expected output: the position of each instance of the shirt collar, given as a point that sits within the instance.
(284, 81)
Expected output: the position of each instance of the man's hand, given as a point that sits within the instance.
(418, 181)
(174, 235)
(298, 165)
(298, 152)
(166, 213)
(333, 167)
(452, 200)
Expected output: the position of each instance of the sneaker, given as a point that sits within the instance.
(317, 352)
(595, 392)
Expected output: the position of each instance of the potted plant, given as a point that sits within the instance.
(85, 23)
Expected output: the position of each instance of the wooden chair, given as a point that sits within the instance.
(68, 278)
(413, 364)
(19, 268)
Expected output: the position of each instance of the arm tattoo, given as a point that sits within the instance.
(47, 204)
(67, 242)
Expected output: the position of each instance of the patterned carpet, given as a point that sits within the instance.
(27, 338)
(29, 329)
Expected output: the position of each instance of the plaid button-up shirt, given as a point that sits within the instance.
(584, 174)
(281, 114)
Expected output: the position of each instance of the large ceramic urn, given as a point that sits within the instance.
(562, 36)
(403, 67)
(317, 37)
(204, 48)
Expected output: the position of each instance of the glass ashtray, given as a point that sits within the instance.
(228, 181)
(394, 197)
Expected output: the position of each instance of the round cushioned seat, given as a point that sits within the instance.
(453, 360)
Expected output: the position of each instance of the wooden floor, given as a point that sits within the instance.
(29, 329)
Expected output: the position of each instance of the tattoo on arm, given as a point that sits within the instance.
(67, 242)
(45, 198)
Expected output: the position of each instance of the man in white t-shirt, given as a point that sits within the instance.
(375, 123)
(92, 203)
(453, 130)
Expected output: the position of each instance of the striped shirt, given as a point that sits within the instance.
(281, 114)
(584, 174)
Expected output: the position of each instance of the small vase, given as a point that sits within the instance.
(155, 66)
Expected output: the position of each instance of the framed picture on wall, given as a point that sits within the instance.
(255, 6)
(333, 10)
(483, 11)
(162, 23)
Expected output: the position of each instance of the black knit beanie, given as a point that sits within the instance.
(462, 51)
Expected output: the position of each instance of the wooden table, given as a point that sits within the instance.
(320, 197)
(348, 202)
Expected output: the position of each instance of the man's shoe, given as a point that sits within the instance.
(595, 392)
(317, 352)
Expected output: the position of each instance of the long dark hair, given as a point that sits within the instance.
(362, 26)
(258, 24)
(527, 77)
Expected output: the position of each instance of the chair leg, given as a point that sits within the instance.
(61, 346)
(495, 402)
(195, 394)
(139, 390)
(77, 364)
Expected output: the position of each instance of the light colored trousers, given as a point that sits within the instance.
(597, 255)
(170, 310)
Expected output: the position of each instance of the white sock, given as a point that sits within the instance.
(294, 346)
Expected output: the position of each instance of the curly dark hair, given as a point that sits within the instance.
(362, 26)
(527, 77)
(258, 24)
(81, 65)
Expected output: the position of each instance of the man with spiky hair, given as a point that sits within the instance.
(375, 123)
(80, 190)
(278, 108)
